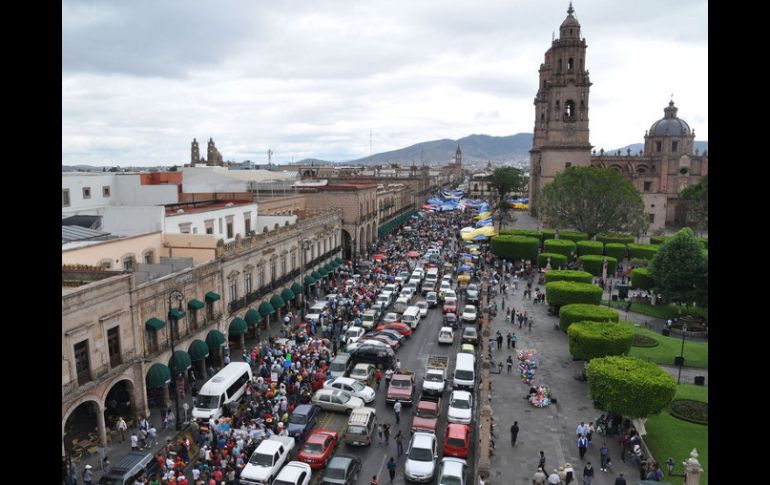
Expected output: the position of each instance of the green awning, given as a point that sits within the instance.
(277, 301)
(296, 288)
(215, 339)
(316, 275)
(333, 264)
(253, 317)
(329, 268)
(198, 350)
(158, 376)
(266, 309)
(195, 304)
(309, 280)
(322, 271)
(181, 362)
(177, 314)
(154, 324)
(339, 261)
(238, 326)
(288, 294)
(212, 297)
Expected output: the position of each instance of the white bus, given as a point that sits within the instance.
(226, 386)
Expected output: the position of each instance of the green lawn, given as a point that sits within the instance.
(696, 354)
(669, 436)
(662, 311)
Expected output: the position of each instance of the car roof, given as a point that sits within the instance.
(303, 409)
(464, 395)
(341, 461)
(342, 379)
(427, 404)
(469, 330)
(363, 365)
(423, 440)
(457, 430)
(452, 467)
(292, 470)
(445, 329)
(319, 435)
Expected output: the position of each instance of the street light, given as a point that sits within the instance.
(681, 354)
(305, 245)
(178, 296)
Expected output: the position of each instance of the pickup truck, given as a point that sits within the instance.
(435, 375)
(426, 414)
(267, 460)
(401, 388)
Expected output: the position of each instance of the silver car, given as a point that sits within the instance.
(337, 400)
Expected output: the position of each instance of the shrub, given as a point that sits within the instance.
(573, 236)
(547, 234)
(580, 312)
(630, 387)
(593, 264)
(567, 275)
(643, 251)
(615, 250)
(688, 410)
(522, 232)
(705, 242)
(589, 247)
(644, 341)
(614, 237)
(561, 293)
(557, 260)
(640, 278)
(561, 246)
(589, 340)
(658, 239)
(515, 247)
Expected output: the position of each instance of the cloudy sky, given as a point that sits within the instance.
(311, 78)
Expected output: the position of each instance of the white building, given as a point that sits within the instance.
(208, 180)
(85, 193)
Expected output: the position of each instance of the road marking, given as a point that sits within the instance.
(384, 458)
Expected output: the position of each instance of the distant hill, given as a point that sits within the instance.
(312, 161)
(636, 147)
(475, 148)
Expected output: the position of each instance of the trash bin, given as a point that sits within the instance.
(614, 297)
(665, 331)
(700, 380)
(678, 360)
(622, 291)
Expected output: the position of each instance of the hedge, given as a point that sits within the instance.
(615, 250)
(559, 293)
(589, 340)
(581, 312)
(615, 237)
(561, 246)
(643, 251)
(547, 234)
(589, 247)
(658, 239)
(593, 264)
(522, 232)
(640, 278)
(567, 275)
(630, 387)
(705, 242)
(515, 247)
(573, 236)
(557, 260)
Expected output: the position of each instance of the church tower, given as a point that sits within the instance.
(458, 156)
(195, 155)
(561, 110)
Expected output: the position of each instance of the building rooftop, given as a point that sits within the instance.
(70, 234)
(198, 207)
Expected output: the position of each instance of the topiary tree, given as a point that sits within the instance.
(560, 293)
(615, 250)
(589, 247)
(640, 278)
(643, 251)
(629, 386)
(560, 246)
(580, 312)
(590, 340)
(615, 237)
(680, 269)
(521, 232)
(593, 264)
(658, 239)
(557, 260)
(515, 247)
(547, 234)
(573, 236)
(567, 275)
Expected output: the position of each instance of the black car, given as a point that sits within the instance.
(342, 470)
(130, 468)
(450, 320)
(472, 297)
(374, 354)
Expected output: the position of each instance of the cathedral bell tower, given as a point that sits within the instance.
(561, 110)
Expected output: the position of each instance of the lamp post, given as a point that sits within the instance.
(178, 296)
(305, 245)
(681, 353)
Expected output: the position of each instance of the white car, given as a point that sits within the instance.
(446, 336)
(352, 386)
(364, 340)
(407, 292)
(469, 313)
(354, 333)
(402, 277)
(460, 407)
(421, 457)
(432, 299)
(452, 471)
(336, 400)
(423, 306)
(445, 286)
(294, 473)
(390, 317)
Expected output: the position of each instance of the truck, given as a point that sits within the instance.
(426, 414)
(267, 460)
(401, 388)
(435, 375)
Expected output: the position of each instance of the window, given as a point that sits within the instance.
(82, 364)
(247, 282)
(570, 61)
(247, 223)
(152, 342)
(209, 310)
(86, 192)
(220, 225)
(658, 146)
(185, 228)
(283, 265)
(149, 257)
(105, 191)
(233, 289)
(229, 229)
(558, 69)
(647, 186)
(674, 146)
(261, 275)
(65, 197)
(272, 270)
(293, 260)
(128, 263)
(652, 218)
(569, 109)
(113, 346)
(105, 264)
(193, 314)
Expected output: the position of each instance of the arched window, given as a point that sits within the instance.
(569, 109)
(129, 263)
(558, 69)
(570, 61)
(149, 256)
(105, 264)
(557, 108)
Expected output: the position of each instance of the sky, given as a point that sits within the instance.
(304, 78)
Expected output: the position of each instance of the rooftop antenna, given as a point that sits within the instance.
(672, 97)
(553, 35)
(269, 157)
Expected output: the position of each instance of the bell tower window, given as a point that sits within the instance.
(658, 146)
(674, 146)
(569, 110)
(570, 62)
(558, 69)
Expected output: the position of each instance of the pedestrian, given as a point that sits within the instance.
(499, 341)
(88, 475)
(374, 480)
(590, 433)
(621, 480)
(378, 377)
(553, 478)
(513, 340)
(152, 436)
(379, 431)
(569, 474)
(508, 339)
(582, 443)
(399, 444)
(588, 474)
(670, 464)
(398, 366)
(581, 430)
(539, 477)
(509, 361)
(604, 453)
(541, 463)
(514, 427)
(122, 427)
(170, 417)
(392, 468)
(134, 442)
(397, 410)
(386, 432)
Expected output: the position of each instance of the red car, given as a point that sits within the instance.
(457, 440)
(318, 448)
(426, 415)
(450, 305)
(399, 327)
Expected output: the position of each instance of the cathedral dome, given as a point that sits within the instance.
(570, 21)
(670, 125)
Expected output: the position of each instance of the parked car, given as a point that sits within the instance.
(387, 332)
(294, 473)
(469, 314)
(446, 336)
(393, 344)
(426, 414)
(363, 373)
(450, 320)
(399, 327)
(450, 305)
(336, 400)
(379, 355)
(452, 472)
(390, 317)
(352, 386)
(460, 407)
(354, 333)
(457, 440)
(318, 448)
(302, 420)
(342, 470)
(470, 336)
(432, 299)
(421, 457)
(423, 306)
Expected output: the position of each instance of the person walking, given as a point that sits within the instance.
(621, 480)
(88, 475)
(581, 430)
(152, 436)
(509, 361)
(541, 463)
(379, 431)
(539, 477)
(604, 453)
(122, 427)
(553, 478)
(392, 465)
(399, 444)
(582, 444)
(499, 340)
(386, 432)
(569, 474)
(588, 474)
(514, 426)
(513, 340)
(508, 339)
(374, 480)
(134, 442)
(378, 377)
(397, 411)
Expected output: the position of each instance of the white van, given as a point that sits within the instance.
(318, 307)
(368, 319)
(432, 275)
(225, 387)
(465, 372)
(401, 305)
(411, 316)
(385, 299)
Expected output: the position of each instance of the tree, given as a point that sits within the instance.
(593, 200)
(695, 201)
(506, 180)
(679, 268)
